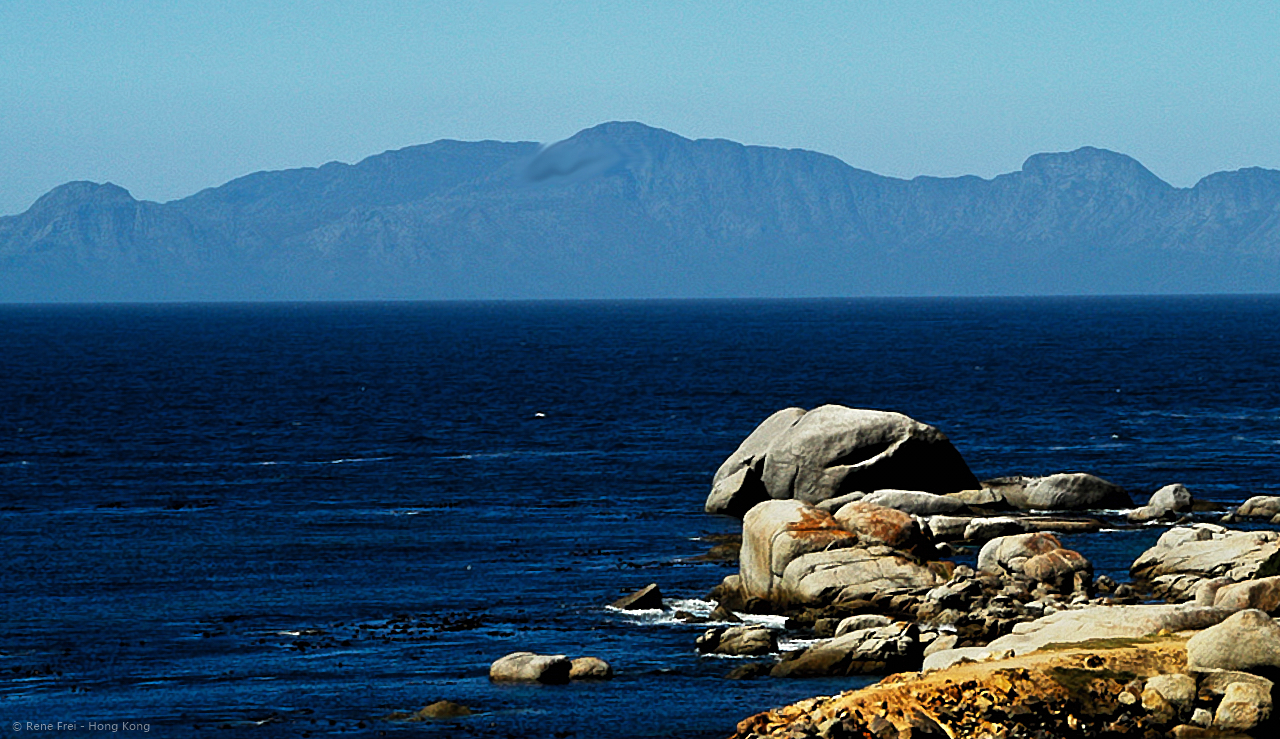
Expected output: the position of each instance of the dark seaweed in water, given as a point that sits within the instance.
(297, 520)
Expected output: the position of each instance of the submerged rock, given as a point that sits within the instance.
(441, 710)
(749, 671)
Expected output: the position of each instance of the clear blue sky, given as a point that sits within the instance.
(165, 98)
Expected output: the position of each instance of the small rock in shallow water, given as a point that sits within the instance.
(749, 671)
(739, 641)
(590, 668)
(441, 710)
(647, 598)
(1259, 506)
(530, 667)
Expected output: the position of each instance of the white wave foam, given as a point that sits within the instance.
(712, 655)
(697, 607)
(764, 619)
(341, 460)
(646, 616)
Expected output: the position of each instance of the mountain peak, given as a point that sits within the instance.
(82, 191)
(1091, 163)
(599, 149)
(624, 131)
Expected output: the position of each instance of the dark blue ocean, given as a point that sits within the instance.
(292, 520)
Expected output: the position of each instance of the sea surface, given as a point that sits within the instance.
(292, 520)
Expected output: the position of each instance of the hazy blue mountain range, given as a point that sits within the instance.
(626, 210)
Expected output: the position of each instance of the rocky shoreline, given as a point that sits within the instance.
(851, 520)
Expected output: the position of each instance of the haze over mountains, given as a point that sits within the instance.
(628, 211)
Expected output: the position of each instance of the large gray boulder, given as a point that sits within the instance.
(825, 577)
(917, 502)
(831, 451)
(736, 487)
(872, 650)
(532, 668)
(1067, 491)
(775, 533)
(1246, 640)
(1186, 556)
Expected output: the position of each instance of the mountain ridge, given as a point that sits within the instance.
(622, 209)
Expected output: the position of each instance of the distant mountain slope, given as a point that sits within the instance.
(625, 210)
